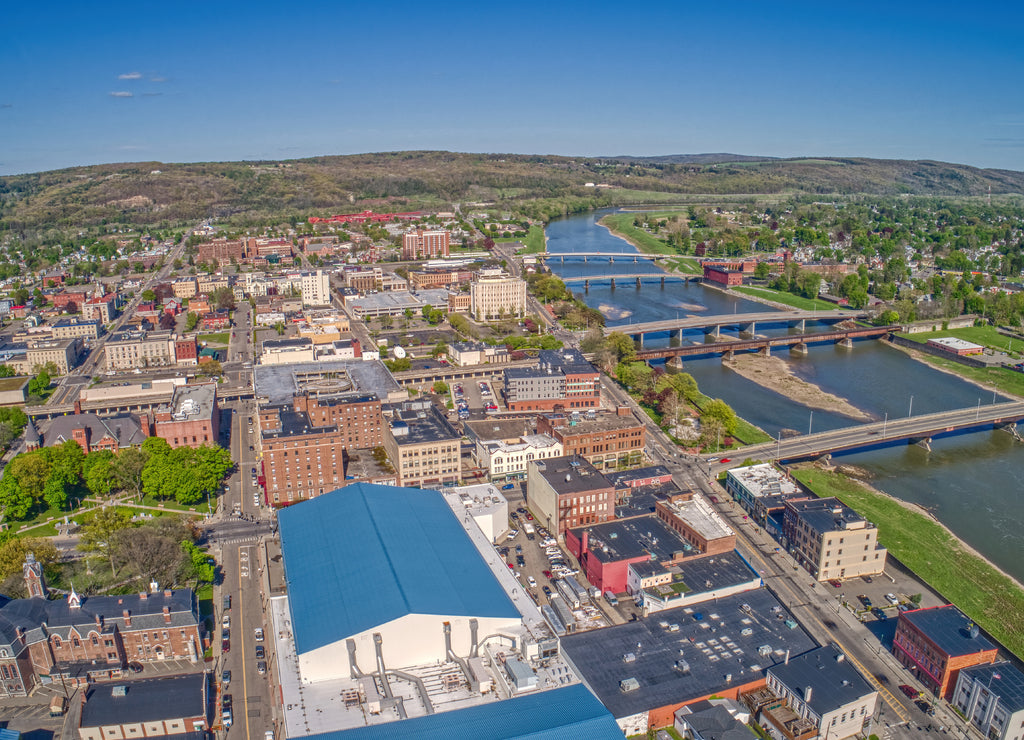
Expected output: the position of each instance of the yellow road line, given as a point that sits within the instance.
(887, 696)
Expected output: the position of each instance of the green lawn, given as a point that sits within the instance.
(683, 264)
(621, 224)
(987, 336)
(1002, 379)
(807, 304)
(535, 240)
(938, 558)
(221, 337)
(746, 433)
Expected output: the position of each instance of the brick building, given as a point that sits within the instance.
(100, 308)
(421, 244)
(438, 279)
(607, 442)
(186, 351)
(222, 250)
(91, 432)
(936, 643)
(568, 492)
(303, 442)
(77, 639)
(562, 380)
(69, 300)
(191, 419)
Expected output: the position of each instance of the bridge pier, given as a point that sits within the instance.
(585, 259)
(800, 324)
(748, 329)
(727, 355)
(635, 260)
(613, 283)
(925, 442)
(711, 331)
(586, 286)
(845, 343)
(1011, 428)
(639, 339)
(662, 281)
(638, 283)
(799, 349)
(562, 259)
(675, 362)
(765, 351)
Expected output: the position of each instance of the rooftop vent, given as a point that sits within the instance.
(119, 691)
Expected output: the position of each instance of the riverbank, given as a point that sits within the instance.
(951, 567)
(996, 379)
(775, 375)
(620, 225)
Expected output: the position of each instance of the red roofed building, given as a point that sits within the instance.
(103, 309)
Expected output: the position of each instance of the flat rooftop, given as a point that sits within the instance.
(360, 464)
(715, 572)
(607, 423)
(625, 539)
(763, 480)
(489, 429)
(571, 475)
(701, 518)
(733, 641)
(949, 629)
(193, 402)
(827, 674)
(955, 344)
(625, 478)
(417, 425)
(279, 384)
(641, 500)
(148, 700)
(828, 515)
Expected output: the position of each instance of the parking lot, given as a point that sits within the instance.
(475, 399)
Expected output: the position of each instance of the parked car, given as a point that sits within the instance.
(909, 691)
(261, 667)
(865, 601)
(225, 677)
(258, 633)
(834, 583)
(547, 574)
(508, 486)
(532, 581)
(520, 560)
(547, 591)
(879, 614)
(260, 652)
(891, 598)
(226, 622)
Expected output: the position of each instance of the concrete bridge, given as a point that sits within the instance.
(633, 257)
(747, 323)
(915, 429)
(795, 342)
(637, 277)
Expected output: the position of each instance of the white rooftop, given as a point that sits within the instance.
(763, 480)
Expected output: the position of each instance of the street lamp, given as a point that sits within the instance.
(810, 422)
(910, 412)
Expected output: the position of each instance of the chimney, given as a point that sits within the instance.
(99, 621)
(78, 406)
(168, 593)
(143, 595)
(167, 615)
(786, 662)
(127, 618)
(144, 424)
(586, 541)
(807, 695)
(623, 411)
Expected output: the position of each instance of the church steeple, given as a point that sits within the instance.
(35, 583)
(74, 600)
(32, 439)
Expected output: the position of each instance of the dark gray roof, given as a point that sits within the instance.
(1009, 686)
(416, 422)
(31, 433)
(642, 499)
(825, 514)
(714, 647)
(626, 477)
(715, 572)
(949, 629)
(124, 428)
(566, 360)
(715, 723)
(41, 618)
(571, 474)
(626, 539)
(831, 678)
(148, 700)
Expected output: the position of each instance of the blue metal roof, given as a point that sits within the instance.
(364, 555)
(568, 713)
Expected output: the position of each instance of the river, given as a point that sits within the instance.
(969, 482)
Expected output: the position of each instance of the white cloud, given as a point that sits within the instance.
(122, 94)
(130, 76)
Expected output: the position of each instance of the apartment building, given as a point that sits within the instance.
(422, 244)
(991, 697)
(127, 350)
(76, 327)
(63, 353)
(222, 250)
(185, 287)
(495, 294)
(424, 448)
(563, 379)
(607, 441)
(569, 492)
(316, 289)
(100, 308)
(831, 540)
(207, 284)
(191, 419)
(439, 278)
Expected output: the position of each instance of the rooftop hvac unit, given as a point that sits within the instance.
(628, 684)
(629, 658)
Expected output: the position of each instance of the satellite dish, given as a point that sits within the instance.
(399, 352)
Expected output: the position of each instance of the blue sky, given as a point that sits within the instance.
(199, 81)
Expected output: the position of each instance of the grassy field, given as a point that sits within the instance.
(683, 264)
(788, 299)
(621, 224)
(987, 336)
(535, 241)
(746, 433)
(1002, 379)
(221, 337)
(936, 556)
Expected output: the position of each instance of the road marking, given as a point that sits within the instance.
(887, 696)
(241, 625)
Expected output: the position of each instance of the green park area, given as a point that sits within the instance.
(788, 299)
(621, 224)
(987, 336)
(938, 558)
(221, 337)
